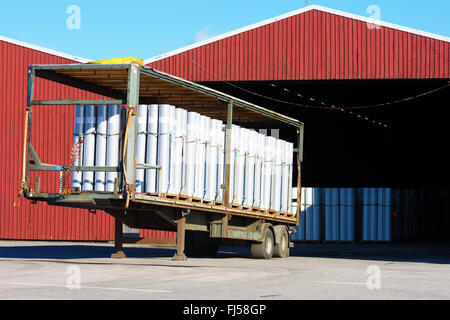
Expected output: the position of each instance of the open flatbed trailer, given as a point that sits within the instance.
(201, 226)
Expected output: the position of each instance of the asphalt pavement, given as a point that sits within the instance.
(83, 271)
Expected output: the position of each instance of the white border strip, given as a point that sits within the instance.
(293, 13)
(45, 50)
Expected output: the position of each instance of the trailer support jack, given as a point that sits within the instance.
(118, 241)
(181, 231)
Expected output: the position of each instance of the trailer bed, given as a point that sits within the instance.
(132, 85)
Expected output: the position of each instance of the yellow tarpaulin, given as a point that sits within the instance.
(123, 60)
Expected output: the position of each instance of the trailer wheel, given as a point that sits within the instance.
(198, 244)
(281, 249)
(264, 250)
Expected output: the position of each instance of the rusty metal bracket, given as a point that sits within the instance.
(132, 110)
(185, 212)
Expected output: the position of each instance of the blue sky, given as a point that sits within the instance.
(144, 29)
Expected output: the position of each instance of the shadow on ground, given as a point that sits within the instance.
(439, 254)
(78, 252)
(382, 252)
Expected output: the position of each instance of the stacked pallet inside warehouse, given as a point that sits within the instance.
(187, 151)
(376, 214)
(345, 215)
(332, 214)
(384, 214)
(311, 209)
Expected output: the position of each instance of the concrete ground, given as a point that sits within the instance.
(62, 270)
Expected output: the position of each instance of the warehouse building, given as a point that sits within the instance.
(372, 97)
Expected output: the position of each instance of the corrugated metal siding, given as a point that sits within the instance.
(40, 221)
(51, 135)
(156, 234)
(313, 45)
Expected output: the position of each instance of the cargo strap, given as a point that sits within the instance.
(74, 155)
(127, 183)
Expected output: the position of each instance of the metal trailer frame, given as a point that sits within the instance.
(131, 85)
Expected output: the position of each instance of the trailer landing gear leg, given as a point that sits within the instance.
(118, 241)
(181, 230)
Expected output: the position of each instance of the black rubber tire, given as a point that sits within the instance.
(198, 244)
(264, 250)
(281, 249)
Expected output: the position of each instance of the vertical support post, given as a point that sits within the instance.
(181, 234)
(26, 138)
(227, 177)
(129, 156)
(118, 240)
(301, 132)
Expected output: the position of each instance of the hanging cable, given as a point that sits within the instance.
(333, 107)
(312, 106)
(323, 105)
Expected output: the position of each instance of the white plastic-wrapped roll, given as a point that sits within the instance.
(100, 146)
(259, 162)
(250, 168)
(112, 144)
(286, 182)
(240, 166)
(268, 168)
(211, 161)
(77, 176)
(176, 154)
(164, 145)
(275, 203)
(200, 159)
(205, 137)
(290, 161)
(89, 147)
(152, 151)
(172, 152)
(235, 130)
(191, 148)
(141, 141)
(182, 125)
(220, 160)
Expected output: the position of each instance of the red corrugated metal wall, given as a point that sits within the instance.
(51, 132)
(51, 135)
(155, 234)
(313, 45)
